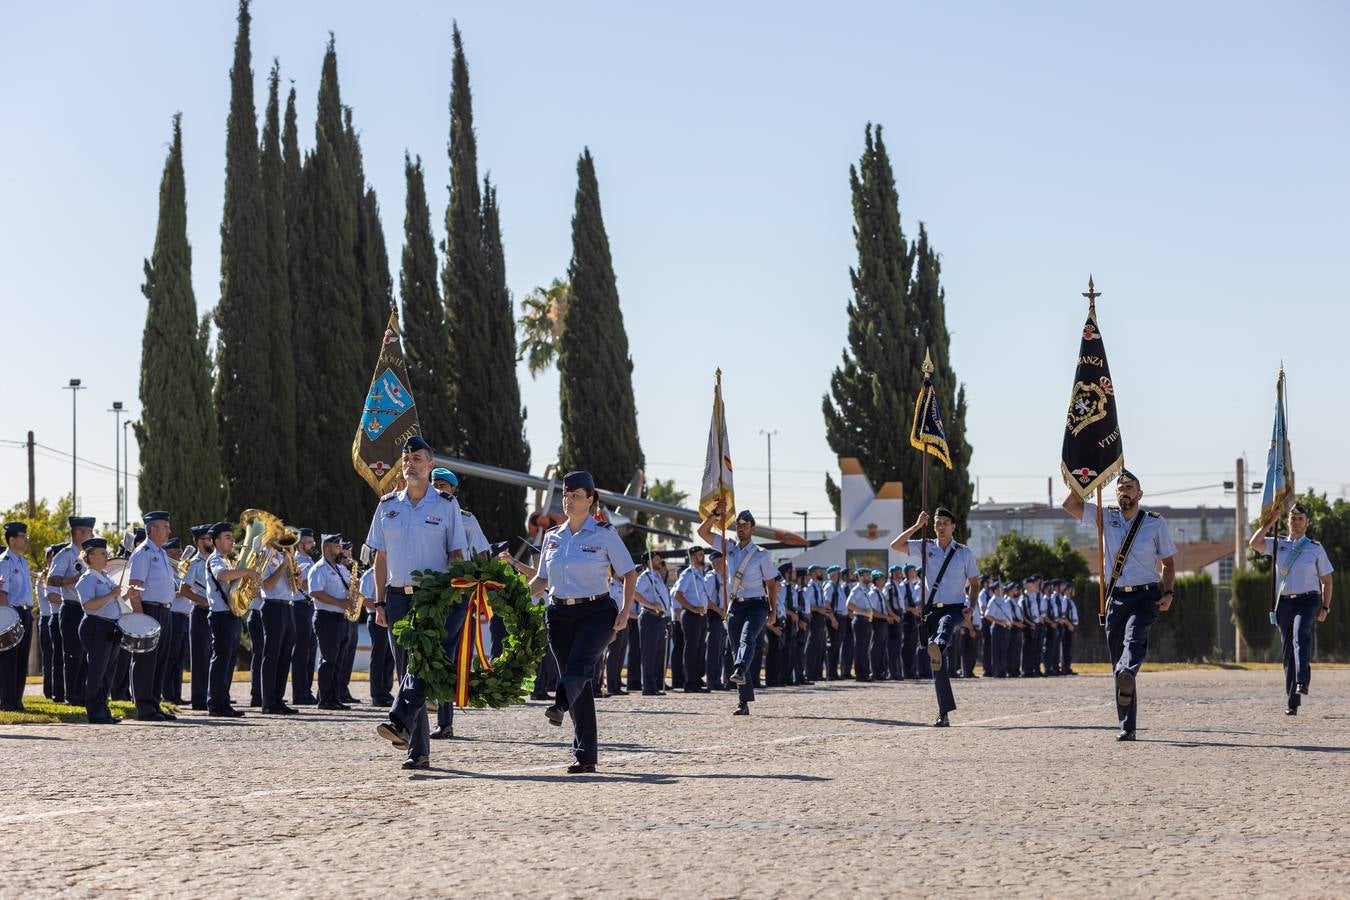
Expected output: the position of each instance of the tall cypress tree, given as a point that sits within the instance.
(870, 406)
(499, 506)
(372, 259)
(331, 383)
(484, 394)
(281, 401)
(243, 371)
(599, 415)
(425, 339)
(177, 436)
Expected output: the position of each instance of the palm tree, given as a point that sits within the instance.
(541, 324)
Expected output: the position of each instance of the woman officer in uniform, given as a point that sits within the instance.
(1304, 593)
(582, 617)
(98, 629)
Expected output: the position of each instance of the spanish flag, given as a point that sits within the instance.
(717, 466)
(926, 433)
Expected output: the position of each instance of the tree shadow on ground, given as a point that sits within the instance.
(1224, 745)
(611, 777)
(32, 737)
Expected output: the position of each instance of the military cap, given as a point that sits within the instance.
(307, 532)
(158, 515)
(943, 512)
(784, 568)
(1126, 477)
(173, 544)
(199, 531)
(81, 521)
(746, 516)
(415, 443)
(96, 543)
(578, 480)
(220, 528)
(13, 528)
(332, 539)
(715, 554)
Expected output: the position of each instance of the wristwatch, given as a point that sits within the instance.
(1165, 593)
(378, 605)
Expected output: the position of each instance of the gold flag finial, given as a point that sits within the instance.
(928, 362)
(1092, 293)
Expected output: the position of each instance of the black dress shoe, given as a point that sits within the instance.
(226, 713)
(742, 709)
(155, 716)
(199, 707)
(282, 710)
(737, 675)
(1303, 689)
(420, 762)
(942, 721)
(1291, 711)
(306, 701)
(1125, 736)
(172, 717)
(618, 693)
(445, 732)
(1124, 688)
(653, 693)
(554, 715)
(581, 768)
(255, 704)
(394, 733)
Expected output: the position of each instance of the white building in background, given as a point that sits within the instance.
(869, 519)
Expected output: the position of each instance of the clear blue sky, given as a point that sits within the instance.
(1191, 156)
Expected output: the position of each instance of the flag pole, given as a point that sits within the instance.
(721, 457)
(1101, 563)
(1279, 506)
(923, 532)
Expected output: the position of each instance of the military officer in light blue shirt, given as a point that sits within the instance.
(753, 591)
(152, 585)
(415, 529)
(221, 581)
(16, 592)
(99, 595)
(1304, 592)
(329, 592)
(1136, 595)
(578, 560)
(715, 582)
(691, 593)
(175, 636)
(305, 646)
(381, 656)
(950, 572)
(199, 628)
(1070, 624)
(49, 632)
(818, 619)
(65, 571)
(860, 607)
(654, 603)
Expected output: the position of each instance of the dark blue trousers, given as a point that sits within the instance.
(199, 654)
(987, 652)
(881, 631)
(998, 652)
(1066, 651)
(147, 669)
(577, 636)
(177, 632)
(53, 670)
(634, 654)
(226, 629)
(716, 651)
(14, 664)
(845, 636)
(615, 654)
(1050, 649)
(331, 629)
(862, 645)
(410, 708)
(744, 627)
(816, 646)
(99, 637)
(695, 628)
(895, 644)
(278, 643)
(302, 656)
(942, 623)
(1128, 620)
(445, 709)
(652, 629)
(257, 640)
(348, 662)
(909, 646)
(1296, 616)
(381, 665)
(72, 651)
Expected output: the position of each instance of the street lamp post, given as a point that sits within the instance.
(768, 436)
(126, 490)
(117, 457)
(802, 513)
(74, 388)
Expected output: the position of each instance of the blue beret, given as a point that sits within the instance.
(95, 544)
(81, 521)
(443, 474)
(814, 567)
(745, 516)
(896, 568)
(573, 481)
(158, 515)
(172, 544)
(415, 443)
(877, 573)
(13, 528)
(332, 539)
(138, 535)
(220, 528)
(910, 567)
(832, 569)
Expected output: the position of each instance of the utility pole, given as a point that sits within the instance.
(32, 481)
(126, 489)
(117, 463)
(768, 435)
(1239, 545)
(802, 513)
(74, 388)
(1050, 491)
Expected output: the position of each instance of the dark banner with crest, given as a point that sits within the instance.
(389, 416)
(1093, 453)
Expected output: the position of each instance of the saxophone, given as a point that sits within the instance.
(353, 612)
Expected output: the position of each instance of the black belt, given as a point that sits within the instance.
(946, 607)
(73, 603)
(1123, 589)
(574, 601)
(1301, 596)
(276, 600)
(735, 599)
(407, 590)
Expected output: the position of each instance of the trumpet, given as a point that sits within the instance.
(185, 561)
(353, 612)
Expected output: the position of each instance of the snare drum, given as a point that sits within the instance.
(11, 628)
(139, 632)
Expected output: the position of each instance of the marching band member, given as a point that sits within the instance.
(199, 629)
(414, 529)
(353, 629)
(654, 599)
(329, 593)
(152, 587)
(582, 616)
(691, 592)
(180, 615)
(16, 591)
(381, 657)
(98, 629)
(302, 620)
(1140, 543)
(49, 632)
(714, 582)
(278, 631)
(221, 581)
(66, 570)
(947, 605)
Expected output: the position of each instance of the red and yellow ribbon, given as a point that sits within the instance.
(471, 637)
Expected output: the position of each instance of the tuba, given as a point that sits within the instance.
(354, 596)
(185, 561)
(261, 531)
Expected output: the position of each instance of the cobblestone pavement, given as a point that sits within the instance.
(837, 790)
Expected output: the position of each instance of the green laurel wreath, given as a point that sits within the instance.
(423, 629)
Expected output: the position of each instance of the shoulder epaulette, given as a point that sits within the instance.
(446, 495)
(603, 524)
(1153, 514)
(389, 496)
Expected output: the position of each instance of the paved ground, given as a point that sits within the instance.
(836, 790)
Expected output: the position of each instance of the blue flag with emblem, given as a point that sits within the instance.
(926, 433)
(1279, 487)
(388, 417)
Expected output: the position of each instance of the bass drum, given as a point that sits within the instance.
(140, 633)
(11, 628)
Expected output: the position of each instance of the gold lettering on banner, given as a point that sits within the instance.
(1110, 439)
(1090, 360)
